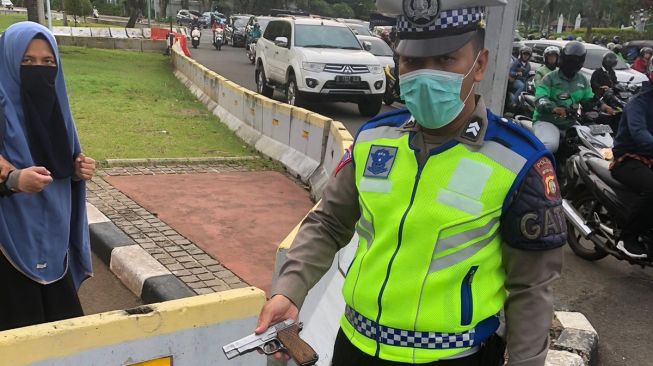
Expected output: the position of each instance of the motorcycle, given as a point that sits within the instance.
(195, 35)
(598, 208)
(391, 94)
(251, 50)
(525, 104)
(218, 38)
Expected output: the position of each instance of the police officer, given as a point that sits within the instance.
(457, 211)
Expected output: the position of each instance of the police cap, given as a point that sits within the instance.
(435, 27)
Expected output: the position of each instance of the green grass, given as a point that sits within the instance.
(130, 105)
(10, 18)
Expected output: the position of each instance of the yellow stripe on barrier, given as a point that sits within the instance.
(58, 339)
(287, 241)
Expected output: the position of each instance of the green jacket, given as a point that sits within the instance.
(556, 90)
(541, 72)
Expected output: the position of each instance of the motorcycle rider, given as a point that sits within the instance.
(255, 33)
(616, 40)
(385, 36)
(604, 78)
(633, 166)
(519, 71)
(560, 90)
(643, 61)
(618, 49)
(551, 55)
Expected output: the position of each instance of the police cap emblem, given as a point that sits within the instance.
(421, 13)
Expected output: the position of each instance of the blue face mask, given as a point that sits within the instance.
(433, 96)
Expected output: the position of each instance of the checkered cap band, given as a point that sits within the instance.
(447, 22)
(408, 338)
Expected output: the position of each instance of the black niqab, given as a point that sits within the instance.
(44, 123)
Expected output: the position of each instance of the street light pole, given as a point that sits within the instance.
(148, 13)
(47, 4)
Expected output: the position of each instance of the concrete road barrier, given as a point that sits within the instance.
(118, 32)
(185, 332)
(134, 32)
(62, 31)
(80, 32)
(101, 32)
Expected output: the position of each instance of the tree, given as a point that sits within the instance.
(32, 10)
(163, 6)
(134, 9)
(320, 7)
(74, 8)
(342, 10)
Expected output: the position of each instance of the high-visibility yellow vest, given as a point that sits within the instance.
(427, 280)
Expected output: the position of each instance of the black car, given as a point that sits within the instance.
(235, 32)
(631, 49)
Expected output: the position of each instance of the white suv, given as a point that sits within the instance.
(318, 60)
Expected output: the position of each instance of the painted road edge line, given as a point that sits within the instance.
(136, 269)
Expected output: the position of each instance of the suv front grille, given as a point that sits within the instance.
(356, 85)
(346, 69)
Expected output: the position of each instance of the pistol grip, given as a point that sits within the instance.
(299, 350)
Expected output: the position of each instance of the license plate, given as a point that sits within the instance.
(346, 79)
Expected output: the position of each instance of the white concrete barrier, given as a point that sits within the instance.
(185, 332)
(80, 32)
(147, 33)
(134, 32)
(118, 32)
(62, 31)
(101, 32)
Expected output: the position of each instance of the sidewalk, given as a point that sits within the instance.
(209, 225)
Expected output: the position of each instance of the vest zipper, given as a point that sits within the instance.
(466, 299)
(387, 274)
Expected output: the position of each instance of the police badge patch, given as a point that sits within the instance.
(380, 161)
(421, 13)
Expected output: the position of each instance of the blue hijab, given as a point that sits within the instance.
(42, 234)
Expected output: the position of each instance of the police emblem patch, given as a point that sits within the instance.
(421, 13)
(545, 169)
(380, 161)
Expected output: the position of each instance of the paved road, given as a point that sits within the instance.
(104, 291)
(616, 297)
(233, 64)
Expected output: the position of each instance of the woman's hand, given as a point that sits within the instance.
(84, 167)
(33, 179)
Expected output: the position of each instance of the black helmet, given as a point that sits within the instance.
(572, 58)
(525, 50)
(609, 60)
(616, 39)
(645, 50)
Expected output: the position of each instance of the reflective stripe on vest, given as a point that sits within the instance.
(431, 263)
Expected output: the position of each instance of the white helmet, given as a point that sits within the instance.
(551, 49)
(611, 46)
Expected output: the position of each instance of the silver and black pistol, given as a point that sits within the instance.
(282, 336)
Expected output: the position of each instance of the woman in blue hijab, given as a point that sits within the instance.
(44, 242)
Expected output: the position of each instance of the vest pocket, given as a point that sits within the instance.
(466, 298)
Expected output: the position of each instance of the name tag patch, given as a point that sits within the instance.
(379, 161)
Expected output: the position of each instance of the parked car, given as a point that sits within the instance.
(7, 4)
(183, 17)
(235, 32)
(318, 60)
(359, 29)
(593, 60)
(380, 49)
(205, 19)
(631, 49)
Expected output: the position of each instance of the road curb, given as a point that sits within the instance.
(136, 269)
(112, 163)
(577, 341)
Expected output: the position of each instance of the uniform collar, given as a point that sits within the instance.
(471, 133)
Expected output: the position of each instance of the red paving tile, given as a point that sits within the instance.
(237, 218)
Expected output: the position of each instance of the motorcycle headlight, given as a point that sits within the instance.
(607, 154)
(313, 66)
(375, 69)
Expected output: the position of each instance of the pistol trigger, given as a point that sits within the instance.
(271, 347)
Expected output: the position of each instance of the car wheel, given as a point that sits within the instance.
(261, 86)
(370, 106)
(293, 96)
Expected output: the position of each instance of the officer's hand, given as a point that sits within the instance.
(560, 112)
(33, 179)
(277, 309)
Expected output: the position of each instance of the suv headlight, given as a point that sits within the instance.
(313, 66)
(375, 69)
